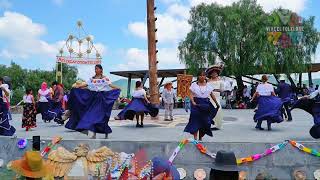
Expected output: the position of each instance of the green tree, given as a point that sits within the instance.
(237, 36)
(23, 79)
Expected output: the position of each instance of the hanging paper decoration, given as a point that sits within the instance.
(22, 143)
(305, 149)
(54, 141)
(259, 156)
(177, 150)
(198, 145)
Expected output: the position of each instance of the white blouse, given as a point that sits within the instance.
(99, 84)
(27, 99)
(201, 91)
(265, 89)
(43, 95)
(139, 93)
(5, 98)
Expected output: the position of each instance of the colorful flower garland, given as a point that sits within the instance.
(248, 159)
(304, 149)
(265, 153)
(198, 145)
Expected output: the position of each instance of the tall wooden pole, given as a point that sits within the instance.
(153, 72)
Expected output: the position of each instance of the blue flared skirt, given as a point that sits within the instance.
(311, 106)
(135, 106)
(91, 110)
(269, 108)
(42, 108)
(5, 128)
(54, 111)
(201, 117)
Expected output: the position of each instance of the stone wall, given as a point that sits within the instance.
(280, 164)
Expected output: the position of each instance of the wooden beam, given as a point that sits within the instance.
(291, 81)
(310, 78)
(129, 86)
(145, 78)
(300, 79)
(160, 84)
(276, 77)
(258, 80)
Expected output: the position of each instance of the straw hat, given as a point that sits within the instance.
(167, 83)
(316, 174)
(182, 173)
(31, 165)
(78, 84)
(218, 68)
(199, 174)
(282, 78)
(299, 175)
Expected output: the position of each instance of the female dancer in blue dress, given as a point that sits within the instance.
(5, 128)
(202, 110)
(139, 106)
(269, 106)
(311, 104)
(91, 107)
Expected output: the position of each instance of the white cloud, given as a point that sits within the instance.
(137, 59)
(171, 29)
(179, 10)
(22, 40)
(22, 36)
(169, 1)
(138, 28)
(58, 2)
(5, 4)
(268, 5)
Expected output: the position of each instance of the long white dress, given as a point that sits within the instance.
(217, 85)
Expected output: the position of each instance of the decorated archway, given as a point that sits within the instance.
(78, 49)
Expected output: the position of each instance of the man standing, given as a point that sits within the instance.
(284, 91)
(168, 97)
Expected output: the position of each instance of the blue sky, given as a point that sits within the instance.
(32, 31)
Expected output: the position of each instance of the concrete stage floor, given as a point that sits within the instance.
(238, 126)
(160, 138)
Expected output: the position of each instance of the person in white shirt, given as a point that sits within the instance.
(202, 110)
(29, 111)
(44, 95)
(269, 106)
(5, 128)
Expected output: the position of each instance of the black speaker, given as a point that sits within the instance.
(36, 143)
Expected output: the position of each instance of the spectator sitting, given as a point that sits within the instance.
(311, 88)
(242, 105)
(299, 90)
(305, 90)
(246, 95)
